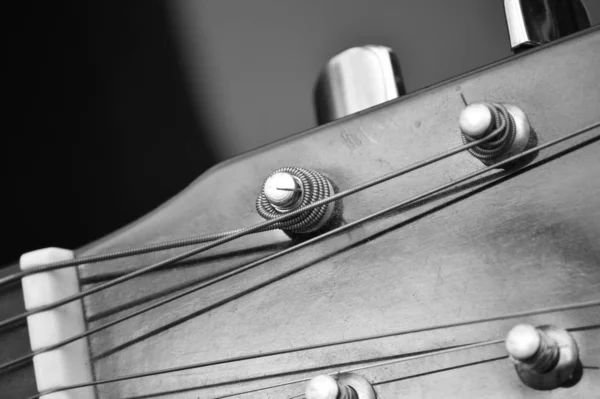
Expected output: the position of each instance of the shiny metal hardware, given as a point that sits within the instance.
(357, 79)
(545, 357)
(535, 22)
(290, 188)
(478, 120)
(343, 386)
(284, 191)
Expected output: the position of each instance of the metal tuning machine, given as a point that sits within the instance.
(545, 357)
(291, 188)
(357, 79)
(507, 127)
(535, 22)
(343, 386)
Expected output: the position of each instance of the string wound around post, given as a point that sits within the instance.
(508, 128)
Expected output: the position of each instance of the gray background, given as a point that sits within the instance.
(114, 107)
(253, 63)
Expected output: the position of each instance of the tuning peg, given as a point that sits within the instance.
(545, 357)
(284, 191)
(344, 386)
(290, 188)
(479, 120)
(356, 79)
(535, 22)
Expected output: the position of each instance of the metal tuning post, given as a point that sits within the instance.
(535, 22)
(343, 386)
(357, 79)
(509, 125)
(545, 357)
(291, 188)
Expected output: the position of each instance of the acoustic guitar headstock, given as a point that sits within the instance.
(441, 244)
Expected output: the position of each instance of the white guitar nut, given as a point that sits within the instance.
(69, 364)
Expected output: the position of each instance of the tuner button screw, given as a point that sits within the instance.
(475, 120)
(283, 191)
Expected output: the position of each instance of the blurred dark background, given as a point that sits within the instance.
(116, 106)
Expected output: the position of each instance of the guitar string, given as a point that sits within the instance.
(212, 237)
(395, 361)
(248, 230)
(254, 390)
(160, 246)
(390, 362)
(372, 365)
(283, 252)
(558, 140)
(204, 284)
(528, 313)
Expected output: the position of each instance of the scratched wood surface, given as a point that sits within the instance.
(500, 244)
